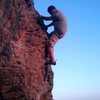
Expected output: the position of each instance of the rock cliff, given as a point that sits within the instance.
(23, 73)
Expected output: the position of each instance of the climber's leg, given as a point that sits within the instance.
(53, 38)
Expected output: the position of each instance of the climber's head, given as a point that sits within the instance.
(52, 9)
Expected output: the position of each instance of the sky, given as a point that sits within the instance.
(77, 73)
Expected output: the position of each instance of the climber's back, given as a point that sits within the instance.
(59, 22)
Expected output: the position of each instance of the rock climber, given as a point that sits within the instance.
(60, 28)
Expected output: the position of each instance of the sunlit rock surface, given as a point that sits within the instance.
(23, 73)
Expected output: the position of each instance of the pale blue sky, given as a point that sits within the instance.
(77, 73)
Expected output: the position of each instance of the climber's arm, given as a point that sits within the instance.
(47, 18)
(51, 24)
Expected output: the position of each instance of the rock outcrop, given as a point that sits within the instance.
(23, 73)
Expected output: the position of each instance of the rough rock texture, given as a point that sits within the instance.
(23, 73)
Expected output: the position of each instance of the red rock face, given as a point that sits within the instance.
(23, 73)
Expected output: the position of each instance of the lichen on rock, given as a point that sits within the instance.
(23, 73)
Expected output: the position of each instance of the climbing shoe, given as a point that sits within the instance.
(53, 63)
(50, 62)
